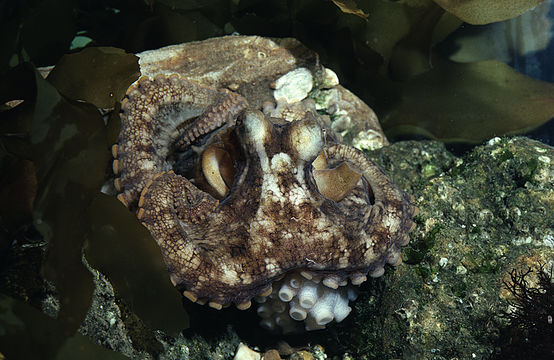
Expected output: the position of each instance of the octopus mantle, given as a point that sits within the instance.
(239, 186)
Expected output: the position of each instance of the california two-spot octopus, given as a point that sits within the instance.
(228, 160)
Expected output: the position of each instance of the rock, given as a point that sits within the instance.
(301, 355)
(245, 353)
(481, 215)
(271, 355)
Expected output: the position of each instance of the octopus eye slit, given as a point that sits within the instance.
(369, 191)
(121, 197)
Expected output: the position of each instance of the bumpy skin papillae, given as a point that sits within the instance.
(391, 214)
(160, 114)
(274, 219)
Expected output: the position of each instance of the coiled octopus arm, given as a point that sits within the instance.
(160, 115)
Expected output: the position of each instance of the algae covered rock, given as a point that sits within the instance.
(481, 216)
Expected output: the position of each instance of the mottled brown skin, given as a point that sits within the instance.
(148, 133)
(274, 218)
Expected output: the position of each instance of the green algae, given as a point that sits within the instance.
(417, 251)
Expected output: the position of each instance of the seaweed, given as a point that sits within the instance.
(486, 11)
(55, 148)
(27, 333)
(530, 330)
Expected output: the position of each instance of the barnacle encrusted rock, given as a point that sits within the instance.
(244, 187)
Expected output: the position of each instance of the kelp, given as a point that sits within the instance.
(122, 248)
(479, 12)
(27, 333)
(98, 75)
(350, 7)
(411, 55)
(470, 102)
(37, 30)
(56, 152)
(388, 24)
(19, 189)
(60, 136)
(416, 92)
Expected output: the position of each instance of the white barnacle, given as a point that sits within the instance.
(294, 86)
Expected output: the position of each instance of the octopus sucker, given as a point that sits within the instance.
(140, 214)
(215, 305)
(357, 278)
(394, 258)
(189, 295)
(266, 291)
(115, 167)
(114, 151)
(377, 272)
(307, 275)
(123, 200)
(398, 262)
(237, 197)
(332, 281)
(404, 240)
(244, 305)
(117, 184)
(202, 301)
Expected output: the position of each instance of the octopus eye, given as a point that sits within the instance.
(334, 183)
(218, 169)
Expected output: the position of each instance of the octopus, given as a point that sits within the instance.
(248, 193)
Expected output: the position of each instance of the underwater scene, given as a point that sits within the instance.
(277, 179)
